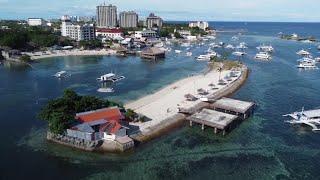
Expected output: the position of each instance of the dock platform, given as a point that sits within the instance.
(232, 106)
(218, 120)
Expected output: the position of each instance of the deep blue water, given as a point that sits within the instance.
(263, 147)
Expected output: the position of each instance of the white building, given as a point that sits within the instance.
(153, 21)
(128, 19)
(145, 34)
(109, 33)
(36, 22)
(200, 24)
(76, 31)
(106, 16)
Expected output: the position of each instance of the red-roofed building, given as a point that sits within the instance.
(109, 114)
(114, 33)
(99, 124)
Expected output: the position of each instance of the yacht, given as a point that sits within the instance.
(263, 56)
(317, 59)
(110, 77)
(221, 43)
(61, 74)
(307, 63)
(266, 48)
(238, 53)
(303, 53)
(207, 57)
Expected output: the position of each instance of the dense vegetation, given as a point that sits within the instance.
(168, 29)
(93, 44)
(23, 37)
(60, 112)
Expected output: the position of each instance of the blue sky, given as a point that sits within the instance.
(215, 10)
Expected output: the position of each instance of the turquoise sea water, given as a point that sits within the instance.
(263, 147)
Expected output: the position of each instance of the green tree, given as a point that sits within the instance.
(177, 35)
(60, 112)
(25, 58)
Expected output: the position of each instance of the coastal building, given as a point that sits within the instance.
(106, 16)
(145, 34)
(114, 33)
(200, 24)
(153, 53)
(101, 124)
(128, 19)
(36, 22)
(76, 31)
(184, 33)
(153, 21)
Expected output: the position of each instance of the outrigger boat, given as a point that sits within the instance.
(310, 118)
(110, 77)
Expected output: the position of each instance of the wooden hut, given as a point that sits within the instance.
(153, 53)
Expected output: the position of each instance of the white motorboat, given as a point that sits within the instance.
(177, 51)
(110, 77)
(207, 57)
(185, 45)
(317, 59)
(189, 53)
(105, 90)
(242, 45)
(238, 53)
(61, 74)
(263, 56)
(303, 53)
(234, 38)
(266, 48)
(229, 46)
(307, 63)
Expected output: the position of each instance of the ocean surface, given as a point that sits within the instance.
(263, 147)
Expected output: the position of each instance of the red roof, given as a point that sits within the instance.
(109, 114)
(111, 127)
(107, 30)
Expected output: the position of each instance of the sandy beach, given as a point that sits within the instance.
(73, 52)
(164, 104)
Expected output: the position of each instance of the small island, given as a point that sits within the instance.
(88, 123)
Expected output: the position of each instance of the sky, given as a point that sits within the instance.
(184, 10)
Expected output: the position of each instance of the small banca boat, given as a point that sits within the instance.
(110, 77)
(265, 48)
(303, 53)
(307, 63)
(263, 56)
(239, 53)
(61, 74)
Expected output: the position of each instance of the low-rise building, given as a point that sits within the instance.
(109, 33)
(36, 22)
(145, 34)
(200, 24)
(100, 124)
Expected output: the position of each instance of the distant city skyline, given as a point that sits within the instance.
(180, 10)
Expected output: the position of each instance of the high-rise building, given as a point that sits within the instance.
(154, 21)
(76, 31)
(128, 19)
(106, 16)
